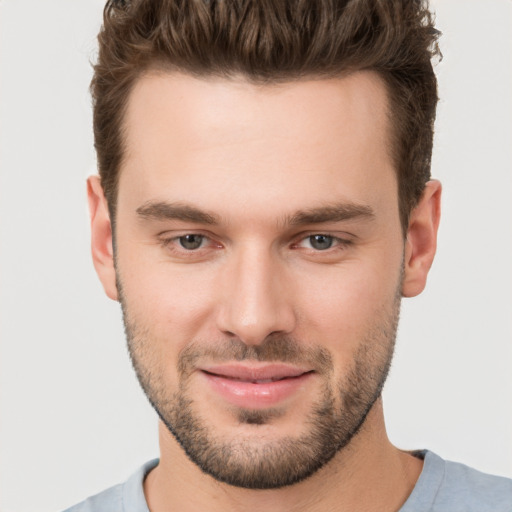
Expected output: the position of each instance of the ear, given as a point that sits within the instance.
(101, 236)
(421, 243)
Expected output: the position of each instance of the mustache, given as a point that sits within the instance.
(274, 348)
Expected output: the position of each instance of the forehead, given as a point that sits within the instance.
(201, 139)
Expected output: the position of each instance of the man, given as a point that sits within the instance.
(264, 202)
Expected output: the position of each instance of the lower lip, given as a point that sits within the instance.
(250, 395)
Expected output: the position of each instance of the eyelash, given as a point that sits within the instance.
(173, 244)
(337, 242)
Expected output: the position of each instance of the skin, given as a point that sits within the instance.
(253, 156)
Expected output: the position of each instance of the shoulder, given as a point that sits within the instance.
(125, 497)
(475, 489)
(110, 500)
(446, 486)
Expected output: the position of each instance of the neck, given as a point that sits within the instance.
(368, 474)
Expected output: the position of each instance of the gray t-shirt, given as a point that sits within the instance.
(442, 487)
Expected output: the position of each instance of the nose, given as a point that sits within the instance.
(256, 299)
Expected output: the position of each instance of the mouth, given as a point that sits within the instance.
(256, 386)
(264, 373)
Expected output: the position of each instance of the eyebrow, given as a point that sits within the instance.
(331, 213)
(162, 210)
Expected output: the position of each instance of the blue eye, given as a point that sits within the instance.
(191, 242)
(321, 242)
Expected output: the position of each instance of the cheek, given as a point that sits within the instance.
(165, 312)
(171, 303)
(341, 308)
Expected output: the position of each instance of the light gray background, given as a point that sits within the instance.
(73, 419)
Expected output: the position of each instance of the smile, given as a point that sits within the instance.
(256, 387)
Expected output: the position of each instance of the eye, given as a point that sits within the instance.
(191, 242)
(320, 242)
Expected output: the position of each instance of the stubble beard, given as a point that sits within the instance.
(334, 419)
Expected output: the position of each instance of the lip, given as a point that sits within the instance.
(256, 386)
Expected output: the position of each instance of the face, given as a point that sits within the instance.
(259, 263)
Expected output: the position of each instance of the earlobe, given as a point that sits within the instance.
(421, 243)
(101, 237)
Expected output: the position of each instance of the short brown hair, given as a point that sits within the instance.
(269, 41)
